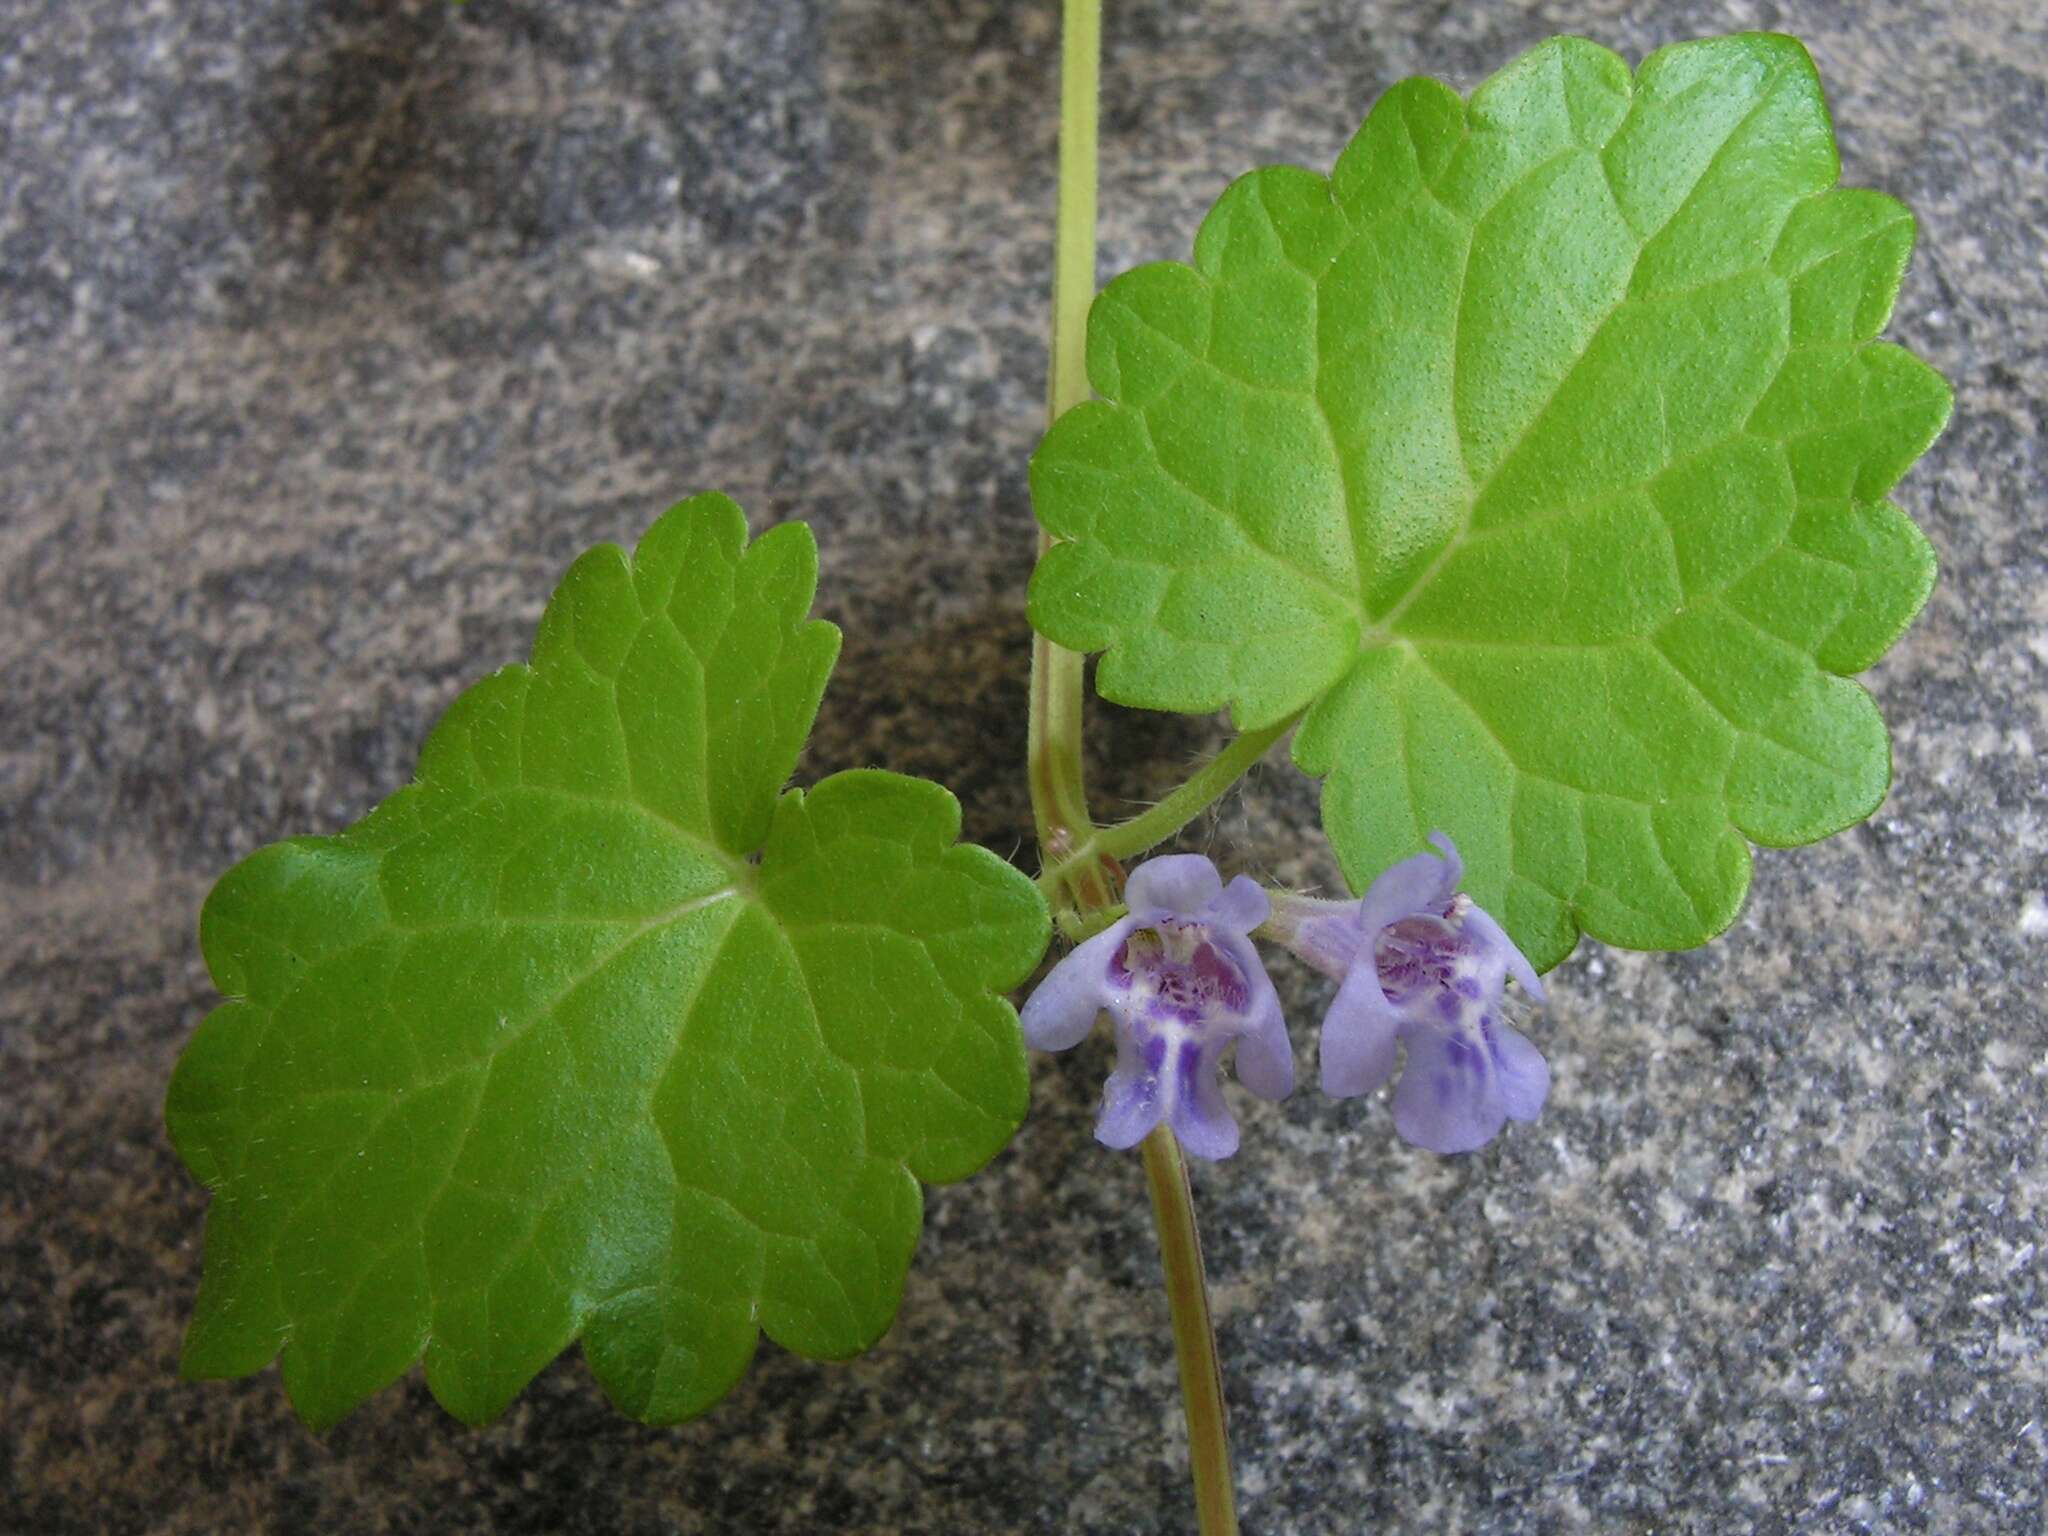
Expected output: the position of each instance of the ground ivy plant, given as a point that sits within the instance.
(1529, 468)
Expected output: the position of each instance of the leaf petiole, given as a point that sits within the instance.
(1143, 832)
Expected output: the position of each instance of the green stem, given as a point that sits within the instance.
(1059, 799)
(1204, 788)
(1073, 262)
(1194, 1338)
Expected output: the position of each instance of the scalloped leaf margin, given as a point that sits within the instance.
(1537, 457)
(595, 1030)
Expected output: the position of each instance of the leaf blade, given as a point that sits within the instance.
(529, 1054)
(1594, 355)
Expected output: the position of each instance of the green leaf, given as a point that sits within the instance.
(1538, 454)
(596, 1031)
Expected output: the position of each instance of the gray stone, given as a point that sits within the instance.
(330, 332)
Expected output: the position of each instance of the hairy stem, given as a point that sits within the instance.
(1194, 1338)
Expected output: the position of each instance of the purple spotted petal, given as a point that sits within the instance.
(1181, 883)
(1449, 1098)
(1131, 1100)
(1061, 1011)
(1358, 1036)
(1199, 1116)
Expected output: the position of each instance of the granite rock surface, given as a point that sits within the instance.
(330, 331)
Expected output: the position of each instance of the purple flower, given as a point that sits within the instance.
(1424, 967)
(1182, 981)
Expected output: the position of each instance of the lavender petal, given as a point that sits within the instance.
(1132, 1099)
(1421, 883)
(1449, 1097)
(1241, 907)
(1181, 883)
(1265, 1055)
(1358, 1036)
(1524, 1074)
(1061, 1011)
(1490, 933)
(1199, 1116)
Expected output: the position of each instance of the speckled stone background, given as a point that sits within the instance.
(330, 331)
